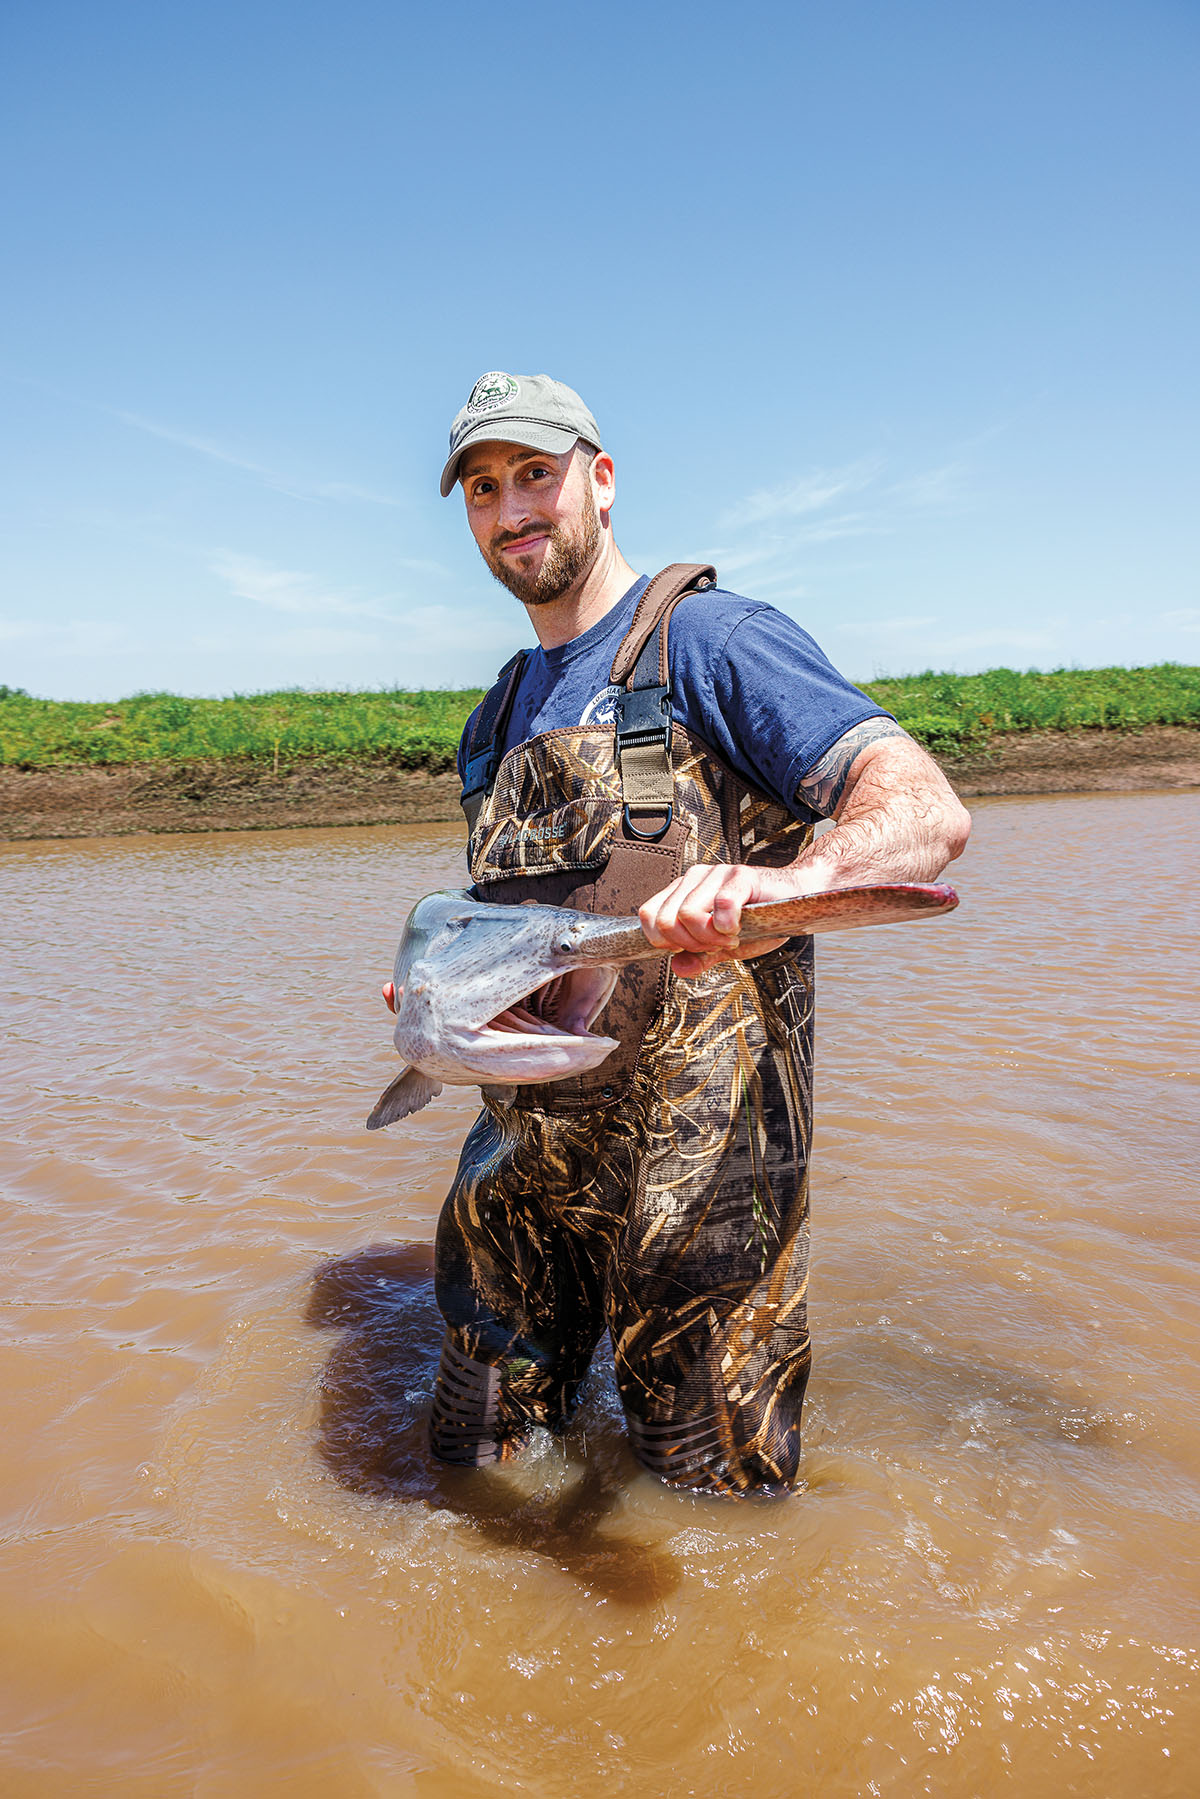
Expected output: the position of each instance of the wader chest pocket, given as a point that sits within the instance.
(575, 836)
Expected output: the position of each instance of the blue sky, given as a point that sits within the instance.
(890, 311)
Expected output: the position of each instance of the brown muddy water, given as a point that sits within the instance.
(227, 1566)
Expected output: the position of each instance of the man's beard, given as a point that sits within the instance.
(567, 558)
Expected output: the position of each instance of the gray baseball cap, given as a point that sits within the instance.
(519, 409)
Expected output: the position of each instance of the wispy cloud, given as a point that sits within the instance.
(288, 484)
(801, 496)
(73, 637)
(924, 640)
(297, 487)
(946, 640)
(290, 590)
(1184, 618)
(464, 644)
(935, 487)
(428, 645)
(969, 643)
(775, 555)
(303, 641)
(772, 533)
(895, 627)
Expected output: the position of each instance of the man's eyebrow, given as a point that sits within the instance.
(525, 455)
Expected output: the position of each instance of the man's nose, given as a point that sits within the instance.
(514, 508)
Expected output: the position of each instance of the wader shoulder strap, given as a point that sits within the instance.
(663, 590)
(487, 734)
(643, 713)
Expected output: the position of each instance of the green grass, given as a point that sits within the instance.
(951, 714)
(412, 730)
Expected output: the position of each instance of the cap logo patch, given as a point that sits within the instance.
(491, 392)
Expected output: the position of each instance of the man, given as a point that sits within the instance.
(667, 746)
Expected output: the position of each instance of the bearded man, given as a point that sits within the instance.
(667, 747)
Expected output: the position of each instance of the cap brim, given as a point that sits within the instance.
(532, 433)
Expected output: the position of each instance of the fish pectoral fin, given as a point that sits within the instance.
(407, 1094)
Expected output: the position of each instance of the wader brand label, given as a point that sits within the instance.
(577, 835)
(492, 391)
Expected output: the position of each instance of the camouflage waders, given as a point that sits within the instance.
(665, 1194)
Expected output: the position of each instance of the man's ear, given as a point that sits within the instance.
(604, 480)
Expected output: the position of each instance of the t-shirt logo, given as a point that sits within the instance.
(601, 709)
(492, 391)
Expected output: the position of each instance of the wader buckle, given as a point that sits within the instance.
(643, 722)
(643, 715)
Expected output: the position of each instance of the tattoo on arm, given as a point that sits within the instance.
(825, 782)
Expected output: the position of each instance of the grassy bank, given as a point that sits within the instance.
(951, 714)
(412, 730)
(955, 714)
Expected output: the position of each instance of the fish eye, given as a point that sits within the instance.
(565, 946)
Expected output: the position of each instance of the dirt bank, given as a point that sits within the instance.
(219, 796)
(1082, 762)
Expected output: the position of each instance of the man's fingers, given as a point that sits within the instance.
(659, 916)
(389, 995)
(699, 916)
(729, 900)
(701, 911)
(694, 917)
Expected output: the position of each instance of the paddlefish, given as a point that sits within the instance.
(505, 995)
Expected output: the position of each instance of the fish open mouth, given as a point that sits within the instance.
(567, 1005)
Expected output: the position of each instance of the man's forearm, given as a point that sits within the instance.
(898, 819)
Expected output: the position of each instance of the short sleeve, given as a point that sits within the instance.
(755, 685)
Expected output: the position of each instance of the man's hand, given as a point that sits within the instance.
(699, 915)
(389, 996)
(897, 819)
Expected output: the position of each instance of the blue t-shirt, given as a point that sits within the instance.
(745, 679)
